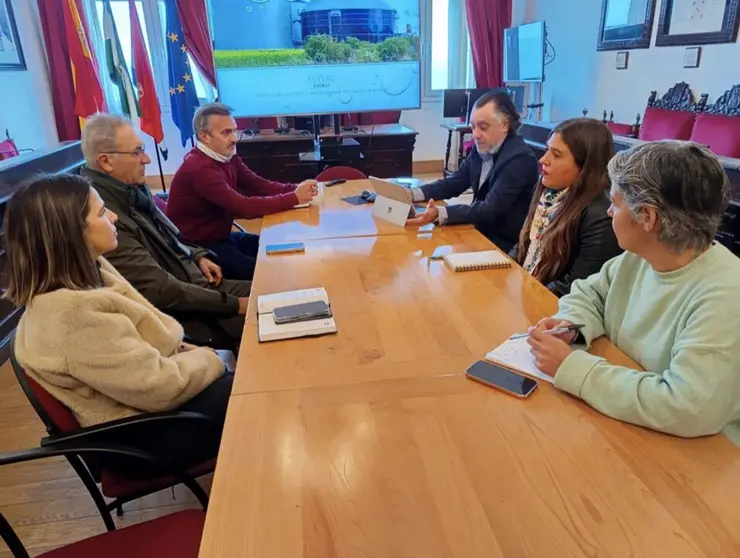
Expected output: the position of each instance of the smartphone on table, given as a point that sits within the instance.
(287, 248)
(301, 312)
(440, 252)
(502, 379)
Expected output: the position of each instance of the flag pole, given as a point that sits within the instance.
(159, 164)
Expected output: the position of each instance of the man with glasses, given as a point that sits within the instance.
(213, 187)
(178, 278)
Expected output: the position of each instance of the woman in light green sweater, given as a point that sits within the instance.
(670, 301)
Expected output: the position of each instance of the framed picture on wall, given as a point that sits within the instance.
(625, 24)
(697, 22)
(691, 57)
(11, 53)
(622, 59)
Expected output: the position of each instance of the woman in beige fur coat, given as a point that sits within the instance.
(89, 338)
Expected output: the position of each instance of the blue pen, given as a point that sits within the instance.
(554, 331)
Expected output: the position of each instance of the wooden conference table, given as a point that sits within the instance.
(372, 443)
(330, 218)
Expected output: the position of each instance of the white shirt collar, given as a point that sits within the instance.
(212, 154)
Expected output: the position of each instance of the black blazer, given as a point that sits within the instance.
(595, 245)
(500, 205)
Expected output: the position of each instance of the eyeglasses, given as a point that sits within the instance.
(138, 152)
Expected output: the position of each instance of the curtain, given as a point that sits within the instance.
(60, 72)
(194, 21)
(59, 56)
(487, 20)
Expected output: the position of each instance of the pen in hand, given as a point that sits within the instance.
(554, 331)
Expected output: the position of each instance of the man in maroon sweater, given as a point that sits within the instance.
(213, 187)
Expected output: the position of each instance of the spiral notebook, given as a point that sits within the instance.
(472, 261)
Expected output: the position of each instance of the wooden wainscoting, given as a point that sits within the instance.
(420, 168)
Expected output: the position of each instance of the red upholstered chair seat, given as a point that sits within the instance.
(178, 534)
(114, 486)
(337, 173)
(382, 117)
(468, 147)
(351, 119)
(721, 133)
(60, 415)
(661, 124)
(160, 203)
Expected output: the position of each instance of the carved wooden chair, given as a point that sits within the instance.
(718, 126)
(673, 115)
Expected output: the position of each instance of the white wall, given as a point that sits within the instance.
(25, 99)
(580, 77)
(659, 68)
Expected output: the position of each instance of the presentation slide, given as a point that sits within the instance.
(280, 57)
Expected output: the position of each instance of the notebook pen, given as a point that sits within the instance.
(554, 331)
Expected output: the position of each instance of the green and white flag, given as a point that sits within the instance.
(119, 74)
(116, 63)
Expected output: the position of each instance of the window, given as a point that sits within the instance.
(448, 62)
(123, 25)
(153, 17)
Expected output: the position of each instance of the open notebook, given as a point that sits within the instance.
(470, 261)
(270, 331)
(514, 354)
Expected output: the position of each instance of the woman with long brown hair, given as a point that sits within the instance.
(91, 340)
(568, 234)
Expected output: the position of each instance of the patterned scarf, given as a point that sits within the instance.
(547, 207)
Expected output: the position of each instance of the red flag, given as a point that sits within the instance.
(89, 97)
(149, 114)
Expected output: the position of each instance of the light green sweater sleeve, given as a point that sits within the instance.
(696, 396)
(586, 302)
(682, 327)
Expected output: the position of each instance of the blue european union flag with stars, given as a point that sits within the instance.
(183, 97)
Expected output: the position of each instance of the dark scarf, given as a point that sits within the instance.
(143, 201)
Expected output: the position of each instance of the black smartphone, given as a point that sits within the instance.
(335, 182)
(287, 248)
(440, 252)
(301, 312)
(500, 378)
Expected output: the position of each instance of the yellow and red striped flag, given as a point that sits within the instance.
(89, 97)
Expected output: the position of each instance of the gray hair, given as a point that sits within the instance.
(682, 181)
(200, 120)
(99, 136)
